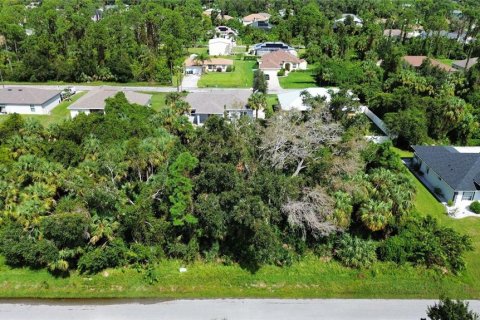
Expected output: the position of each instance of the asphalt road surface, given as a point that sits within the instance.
(227, 309)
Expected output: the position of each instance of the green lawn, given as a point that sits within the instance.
(58, 114)
(448, 62)
(298, 80)
(309, 278)
(198, 50)
(158, 100)
(241, 77)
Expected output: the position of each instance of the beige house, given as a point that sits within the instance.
(280, 59)
(193, 66)
(254, 17)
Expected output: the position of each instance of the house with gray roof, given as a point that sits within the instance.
(26, 100)
(95, 101)
(231, 104)
(465, 64)
(453, 173)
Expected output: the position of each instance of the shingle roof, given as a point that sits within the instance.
(416, 61)
(27, 96)
(460, 170)
(462, 64)
(261, 16)
(275, 59)
(215, 102)
(189, 62)
(96, 99)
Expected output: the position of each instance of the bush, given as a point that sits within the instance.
(475, 207)
(281, 73)
(66, 229)
(450, 203)
(355, 252)
(424, 242)
(111, 256)
(229, 69)
(448, 309)
(21, 250)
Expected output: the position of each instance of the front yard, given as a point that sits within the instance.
(241, 77)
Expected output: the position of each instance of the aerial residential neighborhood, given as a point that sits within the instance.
(277, 159)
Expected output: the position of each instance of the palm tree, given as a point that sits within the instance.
(103, 229)
(376, 215)
(201, 58)
(257, 101)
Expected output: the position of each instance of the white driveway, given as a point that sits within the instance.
(273, 82)
(190, 81)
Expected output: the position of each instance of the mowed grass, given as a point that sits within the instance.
(311, 277)
(298, 80)
(241, 77)
(158, 100)
(58, 114)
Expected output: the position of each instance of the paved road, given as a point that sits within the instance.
(228, 309)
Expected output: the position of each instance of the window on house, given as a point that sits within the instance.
(32, 108)
(2, 108)
(468, 196)
(428, 170)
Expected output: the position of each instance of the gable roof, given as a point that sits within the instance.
(27, 96)
(95, 99)
(416, 61)
(275, 59)
(215, 102)
(460, 170)
(261, 16)
(462, 64)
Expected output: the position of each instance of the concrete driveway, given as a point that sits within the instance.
(273, 82)
(190, 81)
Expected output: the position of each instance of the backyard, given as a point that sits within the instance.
(298, 80)
(241, 77)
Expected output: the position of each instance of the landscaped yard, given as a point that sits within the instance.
(298, 80)
(158, 99)
(308, 278)
(58, 114)
(241, 77)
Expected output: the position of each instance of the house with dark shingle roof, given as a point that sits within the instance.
(452, 172)
(28, 100)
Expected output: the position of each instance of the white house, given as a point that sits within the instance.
(94, 101)
(280, 59)
(231, 104)
(293, 100)
(356, 20)
(452, 173)
(220, 46)
(28, 100)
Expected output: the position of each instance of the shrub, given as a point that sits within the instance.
(229, 69)
(21, 250)
(448, 309)
(475, 206)
(281, 73)
(438, 191)
(450, 203)
(355, 252)
(111, 256)
(424, 242)
(66, 229)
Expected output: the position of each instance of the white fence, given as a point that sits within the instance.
(372, 116)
